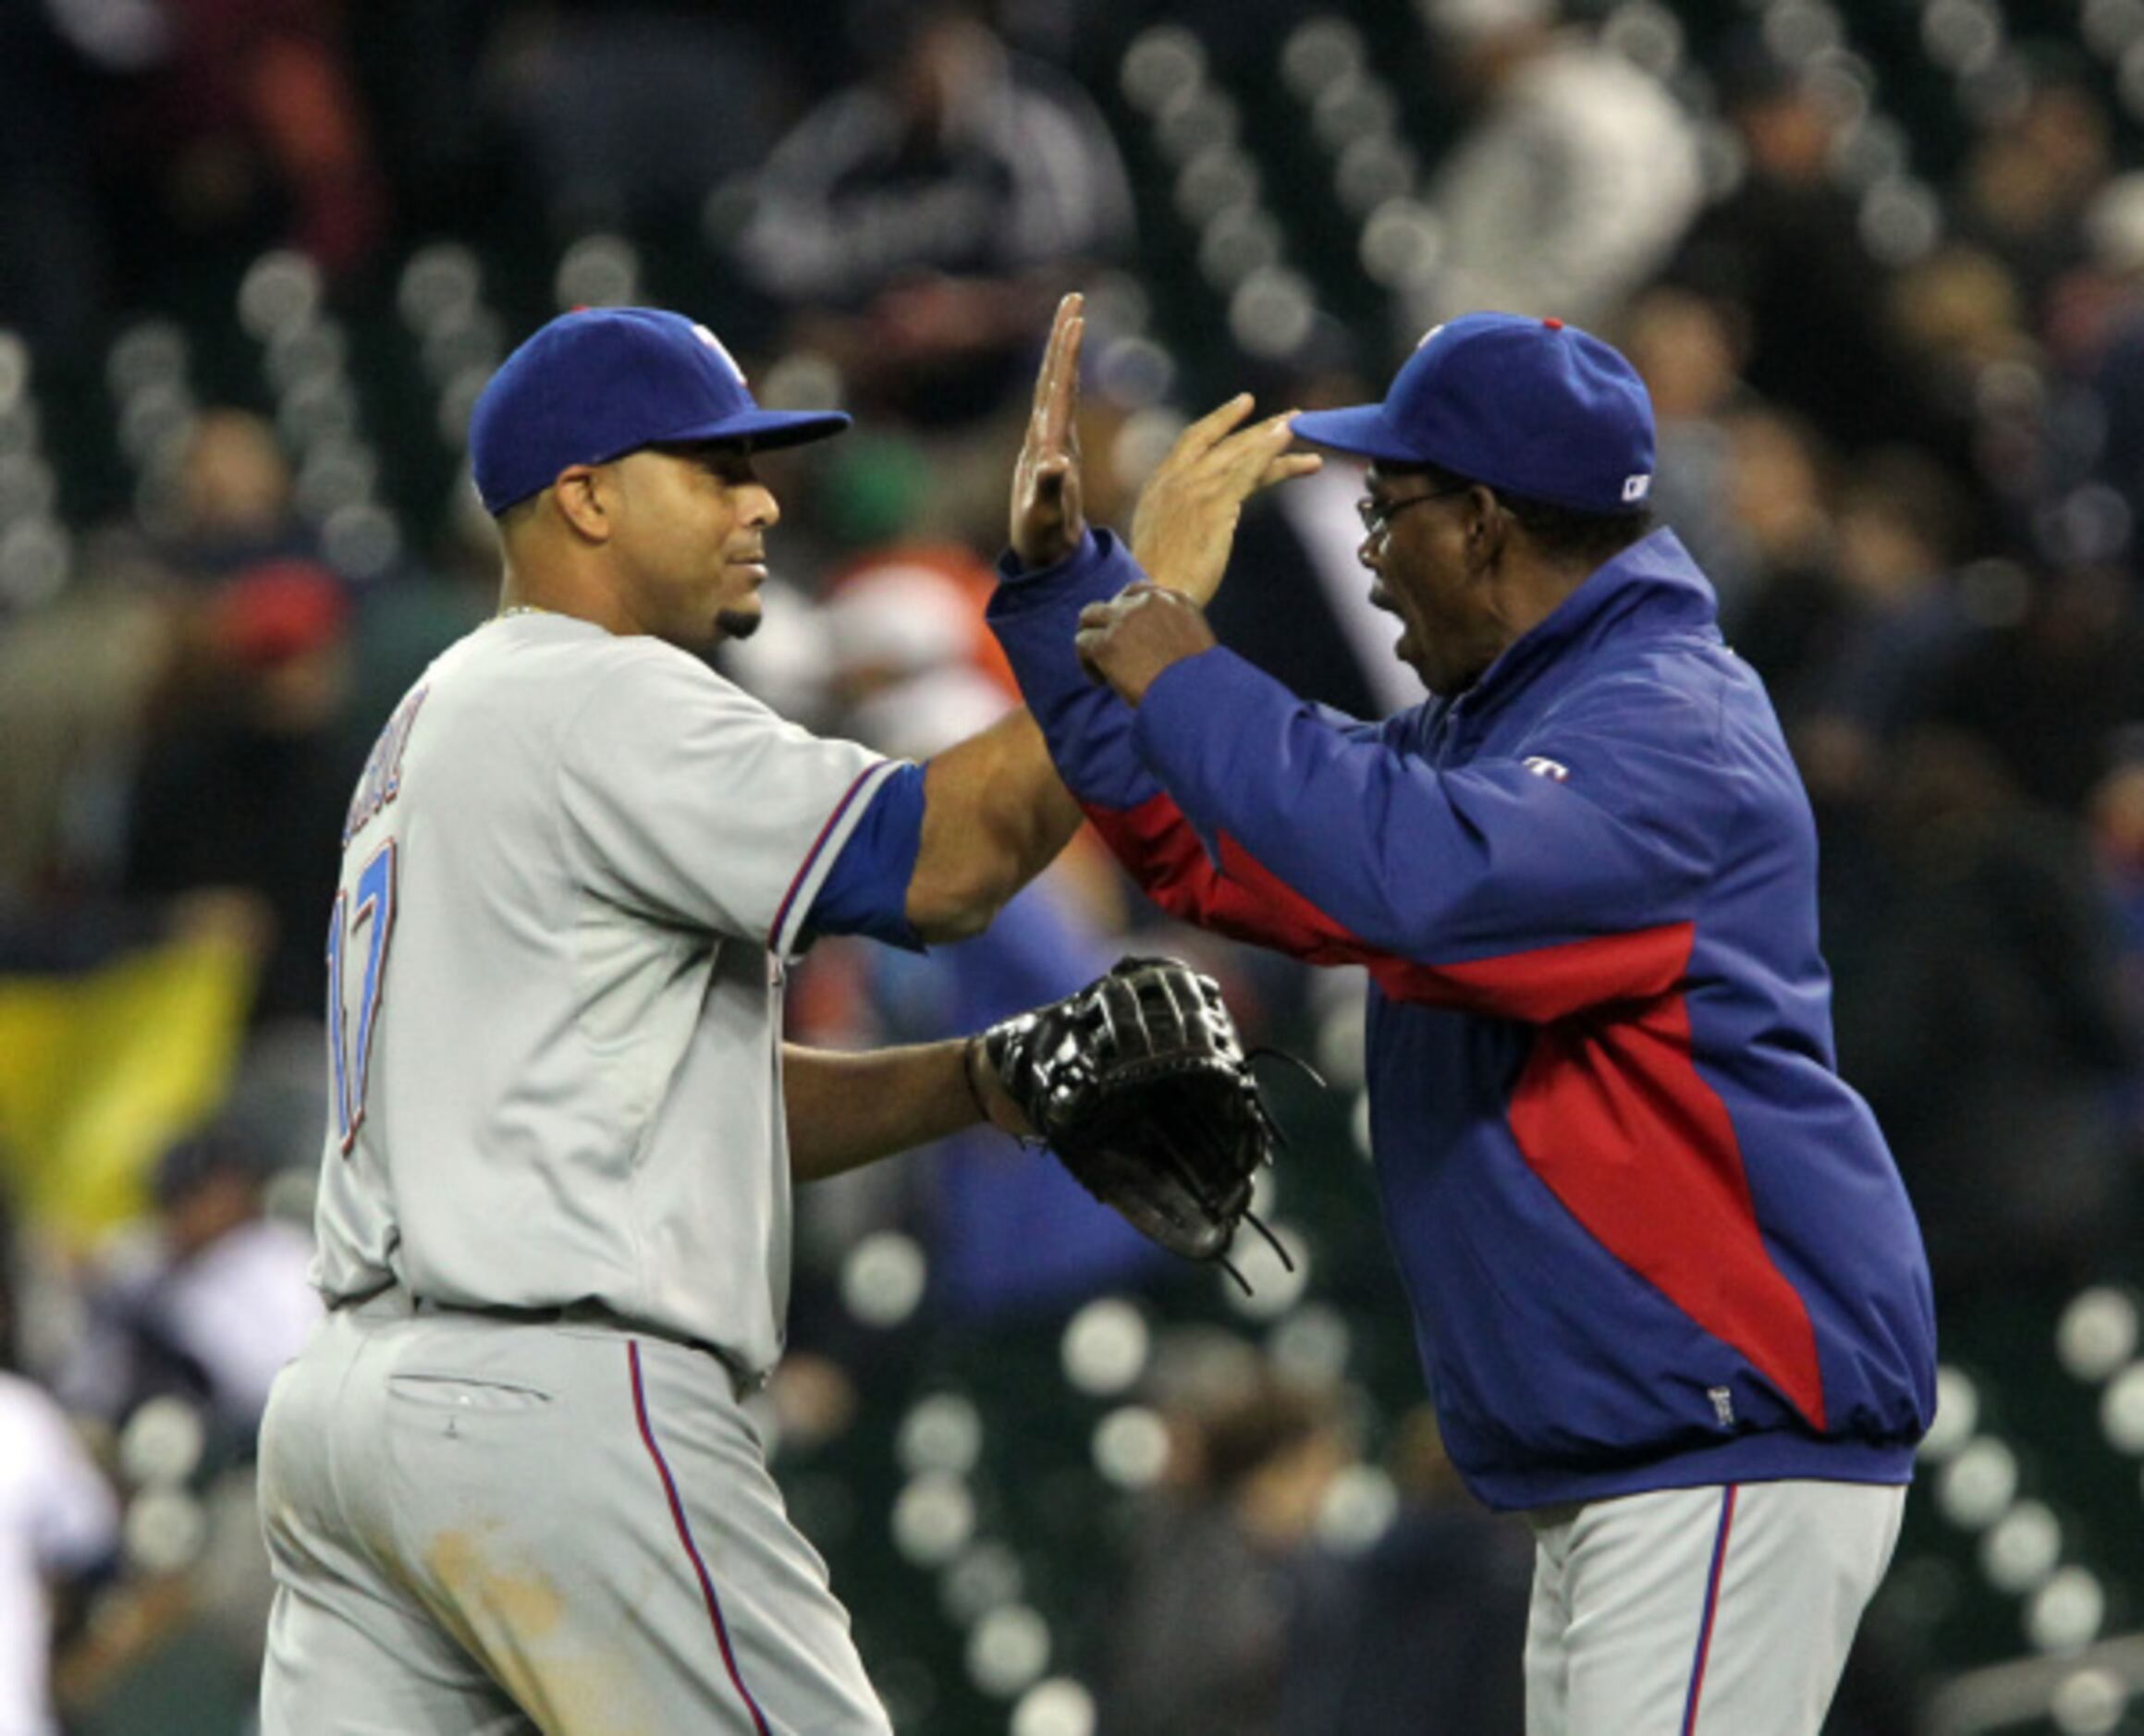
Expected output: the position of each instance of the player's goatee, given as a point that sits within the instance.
(738, 623)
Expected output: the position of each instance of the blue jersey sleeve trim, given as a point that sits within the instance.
(865, 891)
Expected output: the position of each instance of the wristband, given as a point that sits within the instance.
(968, 1072)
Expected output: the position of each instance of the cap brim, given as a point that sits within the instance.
(1362, 429)
(765, 429)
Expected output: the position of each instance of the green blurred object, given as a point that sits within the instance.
(875, 487)
(187, 1686)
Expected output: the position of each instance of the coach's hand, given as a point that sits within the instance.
(1136, 634)
(1047, 519)
(1185, 521)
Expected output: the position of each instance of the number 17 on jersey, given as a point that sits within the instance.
(360, 927)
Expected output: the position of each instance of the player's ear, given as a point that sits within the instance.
(584, 496)
(1488, 529)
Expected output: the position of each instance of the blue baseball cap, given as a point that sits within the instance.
(595, 384)
(1534, 408)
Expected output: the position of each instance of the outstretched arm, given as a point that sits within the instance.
(1528, 886)
(848, 1110)
(995, 812)
(994, 815)
(1184, 527)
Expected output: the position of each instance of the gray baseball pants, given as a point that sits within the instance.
(1725, 1611)
(482, 1527)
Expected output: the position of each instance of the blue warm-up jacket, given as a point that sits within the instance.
(1650, 1238)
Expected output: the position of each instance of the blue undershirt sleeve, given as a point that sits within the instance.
(866, 892)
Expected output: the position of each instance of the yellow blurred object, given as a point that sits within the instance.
(99, 1074)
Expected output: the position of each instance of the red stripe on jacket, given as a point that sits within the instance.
(1615, 1118)
(1611, 1113)
(1245, 901)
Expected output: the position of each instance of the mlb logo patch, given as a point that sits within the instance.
(1635, 488)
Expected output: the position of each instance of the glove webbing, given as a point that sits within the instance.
(1193, 1178)
(1164, 1023)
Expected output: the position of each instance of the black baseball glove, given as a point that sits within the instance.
(1139, 1085)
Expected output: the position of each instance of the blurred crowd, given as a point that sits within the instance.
(1887, 296)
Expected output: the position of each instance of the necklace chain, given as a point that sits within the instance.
(523, 608)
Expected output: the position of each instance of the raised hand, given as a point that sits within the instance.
(1185, 522)
(1047, 519)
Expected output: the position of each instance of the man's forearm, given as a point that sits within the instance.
(848, 1110)
(1086, 727)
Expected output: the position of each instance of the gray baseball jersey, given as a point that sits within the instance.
(571, 874)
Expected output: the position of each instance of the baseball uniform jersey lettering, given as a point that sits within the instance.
(383, 773)
(371, 925)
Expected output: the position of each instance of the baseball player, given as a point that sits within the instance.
(507, 1485)
(58, 1523)
(1665, 1281)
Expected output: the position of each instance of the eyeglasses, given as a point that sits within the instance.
(1377, 519)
